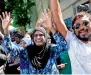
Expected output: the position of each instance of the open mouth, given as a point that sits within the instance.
(38, 41)
(83, 32)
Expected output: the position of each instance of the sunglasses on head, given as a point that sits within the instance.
(85, 23)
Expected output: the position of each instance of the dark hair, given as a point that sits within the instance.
(1, 38)
(78, 15)
(84, 7)
(19, 35)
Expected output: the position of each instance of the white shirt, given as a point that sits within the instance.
(80, 54)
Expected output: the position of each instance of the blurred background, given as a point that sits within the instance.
(26, 12)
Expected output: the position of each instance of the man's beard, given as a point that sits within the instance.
(82, 38)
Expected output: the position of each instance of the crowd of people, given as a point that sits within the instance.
(50, 48)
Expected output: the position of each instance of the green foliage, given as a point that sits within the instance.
(21, 10)
(2, 5)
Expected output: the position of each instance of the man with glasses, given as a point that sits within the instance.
(81, 24)
(78, 41)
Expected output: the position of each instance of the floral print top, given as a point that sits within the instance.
(25, 63)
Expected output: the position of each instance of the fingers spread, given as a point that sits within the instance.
(1, 17)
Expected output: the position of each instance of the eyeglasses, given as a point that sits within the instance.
(35, 35)
(85, 23)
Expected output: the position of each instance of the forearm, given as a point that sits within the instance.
(60, 41)
(6, 32)
(7, 39)
(57, 17)
(8, 43)
(12, 49)
(60, 45)
(52, 30)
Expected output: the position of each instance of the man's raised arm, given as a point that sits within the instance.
(57, 17)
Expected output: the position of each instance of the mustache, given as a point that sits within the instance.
(83, 30)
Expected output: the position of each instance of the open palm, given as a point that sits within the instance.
(5, 18)
(45, 20)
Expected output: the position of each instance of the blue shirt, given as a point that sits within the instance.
(50, 68)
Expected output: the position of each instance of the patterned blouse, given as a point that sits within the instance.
(50, 68)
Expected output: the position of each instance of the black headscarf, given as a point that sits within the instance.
(39, 55)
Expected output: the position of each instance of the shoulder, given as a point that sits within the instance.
(29, 46)
(70, 36)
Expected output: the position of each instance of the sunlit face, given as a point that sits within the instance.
(23, 44)
(39, 38)
(81, 28)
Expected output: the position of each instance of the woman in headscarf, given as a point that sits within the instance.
(25, 42)
(39, 57)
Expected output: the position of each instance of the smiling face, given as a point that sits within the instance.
(81, 27)
(39, 38)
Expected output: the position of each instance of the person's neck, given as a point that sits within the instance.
(40, 46)
(18, 42)
(85, 40)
